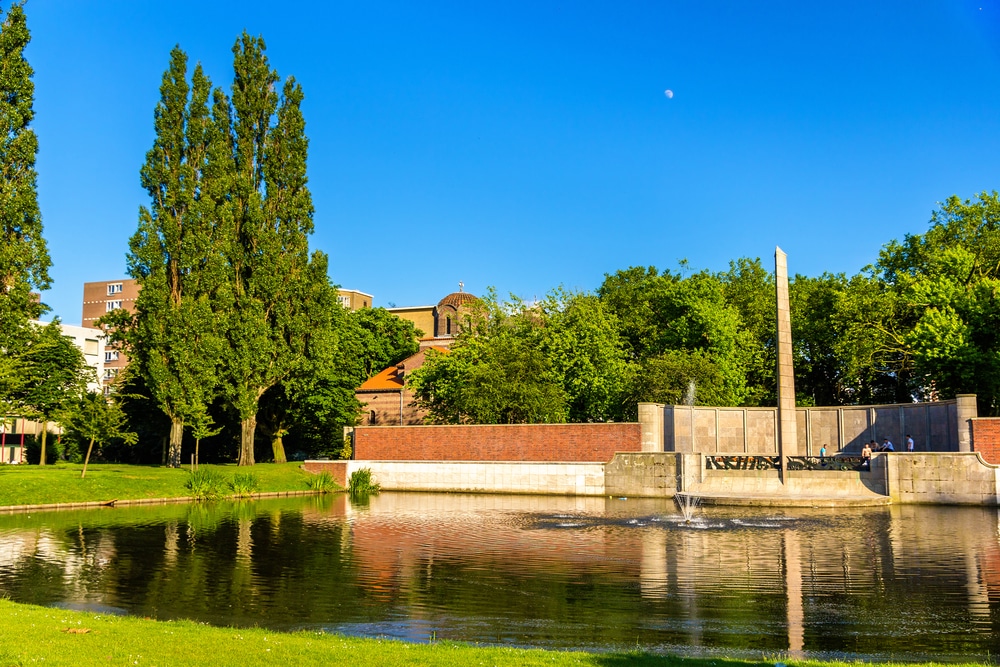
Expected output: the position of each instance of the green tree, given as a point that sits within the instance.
(274, 280)
(57, 372)
(749, 289)
(580, 338)
(96, 419)
(494, 374)
(382, 339)
(946, 281)
(24, 257)
(634, 297)
(175, 255)
(684, 323)
(821, 376)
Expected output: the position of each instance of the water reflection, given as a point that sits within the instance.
(890, 583)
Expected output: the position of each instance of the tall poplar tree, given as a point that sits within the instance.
(24, 258)
(176, 256)
(278, 290)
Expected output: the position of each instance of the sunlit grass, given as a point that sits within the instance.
(41, 635)
(61, 483)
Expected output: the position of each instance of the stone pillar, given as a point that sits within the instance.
(651, 427)
(966, 409)
(787, 428)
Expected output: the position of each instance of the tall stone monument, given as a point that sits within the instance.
(787, 435)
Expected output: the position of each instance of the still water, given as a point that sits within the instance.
(554, 572)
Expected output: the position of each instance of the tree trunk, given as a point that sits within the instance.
(164, 440)
(87, 459)
(176, 438)
(279, 448)
(45, 431)
(248, 427)
(197, 441)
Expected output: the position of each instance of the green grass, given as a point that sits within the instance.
(61, 483)
(323, 483)
(40, 635)
(362, 483)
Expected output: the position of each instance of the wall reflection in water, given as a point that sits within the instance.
(902, 582)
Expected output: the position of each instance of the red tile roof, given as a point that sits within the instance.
(391, 379)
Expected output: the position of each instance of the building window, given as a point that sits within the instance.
(447, 324)
(371, 418)
(345, 301)
(111, 305)
(90, 346)
(111, 355)
(110, 373)
(114, 288)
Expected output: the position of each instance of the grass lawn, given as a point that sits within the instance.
(61, 483)
(41, 635)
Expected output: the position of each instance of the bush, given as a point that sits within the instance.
(206, 484)
(362, 483)
(323, 482)
(244, 484)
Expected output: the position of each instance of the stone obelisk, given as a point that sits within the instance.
(787, 436)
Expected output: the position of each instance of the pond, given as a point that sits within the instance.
(901, 583)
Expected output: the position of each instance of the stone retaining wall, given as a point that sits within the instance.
(960, 479)
(943, 426)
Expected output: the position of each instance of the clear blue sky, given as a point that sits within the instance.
(527, 145)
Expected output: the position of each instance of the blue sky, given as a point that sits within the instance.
(527, 145)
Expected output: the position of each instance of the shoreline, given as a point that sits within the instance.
(126, 502)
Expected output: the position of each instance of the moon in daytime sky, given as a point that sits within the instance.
(669, 93)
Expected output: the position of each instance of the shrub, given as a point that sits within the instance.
(323, 482)
(244, 484)
(206, 484)
(362, 483)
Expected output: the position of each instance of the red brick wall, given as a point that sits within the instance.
(520, 442)
(337, 470)
(986, 438)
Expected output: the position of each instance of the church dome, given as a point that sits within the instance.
(457, 299)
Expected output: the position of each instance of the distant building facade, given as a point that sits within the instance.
(440, 323)
(352, 299)
(92, 343)
(14, 428)
(386, 399)
(99, 299)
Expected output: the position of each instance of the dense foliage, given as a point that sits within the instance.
(923, 323)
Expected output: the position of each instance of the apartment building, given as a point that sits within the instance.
(99, 299)
(352, 299)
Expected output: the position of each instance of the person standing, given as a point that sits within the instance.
(909, 443)
(866, 456)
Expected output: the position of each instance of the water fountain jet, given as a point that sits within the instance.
(687, 504)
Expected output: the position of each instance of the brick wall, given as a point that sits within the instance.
(520, 442)
(337, 470)
(986, 438)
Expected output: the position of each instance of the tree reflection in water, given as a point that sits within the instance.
(920, 582)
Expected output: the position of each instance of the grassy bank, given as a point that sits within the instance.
(61, 483)
(40, 635)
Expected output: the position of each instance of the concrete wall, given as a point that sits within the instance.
(962, 478)
(931, 478)
(503, 442)
(581, 479)
(934, 427)
(986, 438)
(643, 475)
